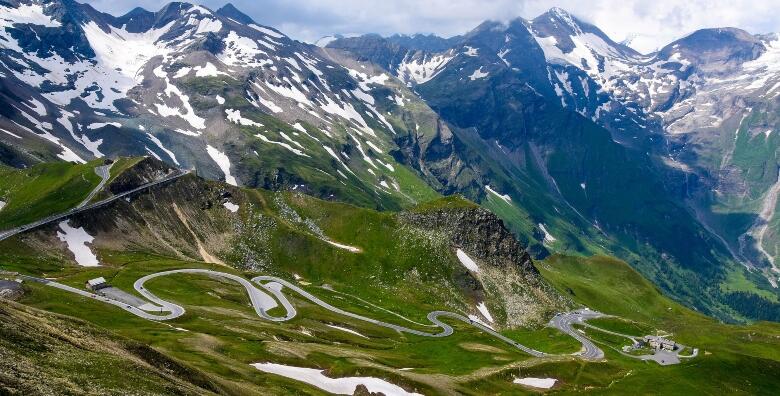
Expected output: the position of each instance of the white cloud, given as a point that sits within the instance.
(653, 23)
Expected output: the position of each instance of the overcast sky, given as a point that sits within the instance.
(652, 24)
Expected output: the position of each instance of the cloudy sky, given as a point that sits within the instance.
(651, 24)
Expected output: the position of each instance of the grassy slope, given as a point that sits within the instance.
(733, 359)
(410, 272)
(44, 353)
(224, 335)
(43, 190)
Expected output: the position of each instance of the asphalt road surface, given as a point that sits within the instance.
(104, 171)
(563, 323)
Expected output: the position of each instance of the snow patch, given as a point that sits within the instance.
(342, 246)
(475, 318)
(470, 51)
(467, 261)
(223, 162)
(542, 383)
(505, 197)
(339, 386)
(234, 116)
(548, 238)
(77, 239)
(345, 330)
(283, 144)
(482, 308)
(98, 125)
(423, 70)
(266, 31)
(10, 133)
(209, 70)
(478, 74)
(230, 206)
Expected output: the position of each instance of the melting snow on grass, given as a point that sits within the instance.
(209, 70)
(478, 74)
(339, 386)
(482, 308)
(230, 206)
(223, 162)
(544, 383)
(477, 319)
(548, 238)
(159, 144)
(98, 125)
(505, 197)
(235, 117)
(77, 239)
(342, 246)
(467, 261)
(345, 330)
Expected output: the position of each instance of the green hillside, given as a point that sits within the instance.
(399, 267)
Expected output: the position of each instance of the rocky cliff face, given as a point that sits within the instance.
(507, 278)
(477, 231)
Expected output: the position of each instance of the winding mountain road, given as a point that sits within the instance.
(262, 302)
(104, 171)
(563, 322)
(267, 292)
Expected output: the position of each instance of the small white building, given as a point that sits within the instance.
(96, 284)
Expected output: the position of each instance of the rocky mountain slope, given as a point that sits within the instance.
(48, 354)
(612, 134)
(200, 89)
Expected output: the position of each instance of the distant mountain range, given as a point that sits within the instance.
(580, 144)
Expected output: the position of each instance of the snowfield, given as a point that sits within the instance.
(542, 383)
(505, 197)
(467, 261)
(223, 162)
(77, 239)
(339, 386)
(230, 206)
(548, 238)
(482, 308)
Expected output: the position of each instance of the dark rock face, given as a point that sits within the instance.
(422, 42)
(716, 50)
(361, 390)
(373, 48)
(10, 290)
(479, 232)
(146, 171)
